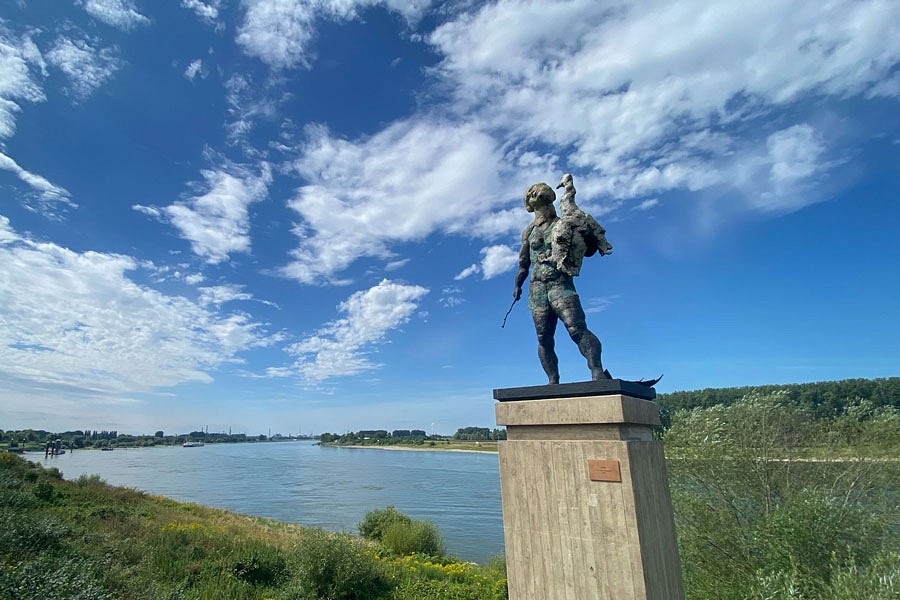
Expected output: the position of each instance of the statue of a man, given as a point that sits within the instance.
(553, 249)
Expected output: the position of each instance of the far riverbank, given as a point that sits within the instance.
(473, 447)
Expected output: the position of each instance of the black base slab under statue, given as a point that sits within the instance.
(604, 387)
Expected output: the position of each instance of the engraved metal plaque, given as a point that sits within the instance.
(604, 470)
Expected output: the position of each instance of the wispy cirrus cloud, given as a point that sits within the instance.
(280, 32)
(76, 321)
(216, 220)
(84, 64)
(122, 14)
(21, 68)
(48, 198)
(250, 101)
(340, 348)
(17, 81)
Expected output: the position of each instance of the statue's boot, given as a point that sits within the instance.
(600, 373)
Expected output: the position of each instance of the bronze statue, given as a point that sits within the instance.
(553, 248)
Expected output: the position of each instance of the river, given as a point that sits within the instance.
(331, 488)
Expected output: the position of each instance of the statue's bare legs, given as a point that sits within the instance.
(572, 315)
(545, 325)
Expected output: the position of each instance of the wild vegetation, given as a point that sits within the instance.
(771, 503)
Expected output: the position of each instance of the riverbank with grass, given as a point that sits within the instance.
(85, 540)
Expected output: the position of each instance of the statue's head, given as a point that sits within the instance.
(537, 195)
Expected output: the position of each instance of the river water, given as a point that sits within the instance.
(331, 488)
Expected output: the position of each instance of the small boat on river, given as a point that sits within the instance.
(191, 444)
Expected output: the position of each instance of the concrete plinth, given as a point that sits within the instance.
(586, 507)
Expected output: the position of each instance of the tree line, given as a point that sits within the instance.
(824, 399)
(33, 439)
(410, 436)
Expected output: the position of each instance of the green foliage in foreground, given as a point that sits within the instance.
(376, 522)
(757, 517)
(401, 535)
(86, 540)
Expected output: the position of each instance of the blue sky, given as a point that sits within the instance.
(304, 215)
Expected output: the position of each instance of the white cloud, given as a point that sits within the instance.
(86, 66)
(277, 31)
(451, 297)
(468, 272)
(597, 305)
(401, 184)
(220, 294)
(638, 101)
(49, 196)
(249, 101)
(75, 321)
(193, 69)
(150, 211)
(119, 13)
(647, 204)
(396, 264)
(645, 95)
(495, 260)
(280, 32)
(216, 221)
(206, 11)
(783, 169)
(794, 153)
(502, 222)
(339, 348)
(17, 83)
(7, 234)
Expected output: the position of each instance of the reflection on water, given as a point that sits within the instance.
(332, 488)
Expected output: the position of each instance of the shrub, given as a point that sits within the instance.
(93, 479)
(262, 565)
(332, 567)
(376, 522)
(415, 537)
(43, 490)
(799, 535)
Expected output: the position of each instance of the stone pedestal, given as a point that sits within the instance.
(586, 507)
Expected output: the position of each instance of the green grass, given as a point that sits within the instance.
(86, 539)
